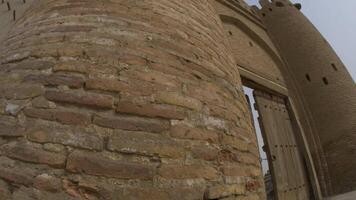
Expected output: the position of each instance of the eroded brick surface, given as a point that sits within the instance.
(122, 100)
(96, 164)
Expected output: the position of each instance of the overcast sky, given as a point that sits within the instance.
(336, 20)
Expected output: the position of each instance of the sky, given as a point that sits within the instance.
(336, 20)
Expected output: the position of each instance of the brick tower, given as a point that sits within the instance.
(323, 91)
(123, 100)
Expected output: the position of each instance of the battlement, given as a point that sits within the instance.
(267, 4)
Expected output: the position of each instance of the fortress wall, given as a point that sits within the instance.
(321, 85)
(252, 48)
(124, 100)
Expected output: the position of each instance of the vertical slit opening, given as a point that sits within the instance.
(308, 77)
(325, 80)
(334, 66)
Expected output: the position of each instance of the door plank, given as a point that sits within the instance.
(287, 166)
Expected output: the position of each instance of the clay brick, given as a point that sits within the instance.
(20, 92)
(16, 174)
(211, 97)
(254, 171)
(251, 196)
(151, 110)
(41, 102)
(62, 116)
(40, 113)
(29, 153)
(11, 130)
(185, 132)
(154, 77)
(143, 88)
(73, 28)
(234, 170)
(248, 158)
(47, 183)
(97, 164)
(85, 99)
(205, 153)
(83, 68)
(142, 193)
(4, 190)
(56, 80)
(130, 86)
(228, 156)
(31, 65)
(235, 142)
(253, 185)
(225, 113)
(72, 118)
(186, 193)
(132, 60)
(219, 191)
(171, 171)
(75, 138)
(132, 123)
(247, 134)
(179, 100)
(153, 193)
(2, 106)
(30, 193)
(106, 85)
(145, 143)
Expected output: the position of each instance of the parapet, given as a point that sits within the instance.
(267, 4)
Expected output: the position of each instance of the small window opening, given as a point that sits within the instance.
(270, 9)
(230, 33)
(264, 14)
(325, 80)
(334, 66)
(279, 4)
(250, 43)
(308, 77)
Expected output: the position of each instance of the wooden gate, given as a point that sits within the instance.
(287, 166)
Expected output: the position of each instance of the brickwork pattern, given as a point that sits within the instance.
(323, 90)
(123, 100)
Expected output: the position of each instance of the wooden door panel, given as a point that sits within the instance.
(286, 164)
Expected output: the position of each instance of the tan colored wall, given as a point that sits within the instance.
(324, 91)
(254, 52)
(7, 18)
(124, 100)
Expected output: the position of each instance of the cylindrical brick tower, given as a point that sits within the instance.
(125, 100)
(323, 90)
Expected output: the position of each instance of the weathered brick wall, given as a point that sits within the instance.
(323, 91)
(123, 100)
